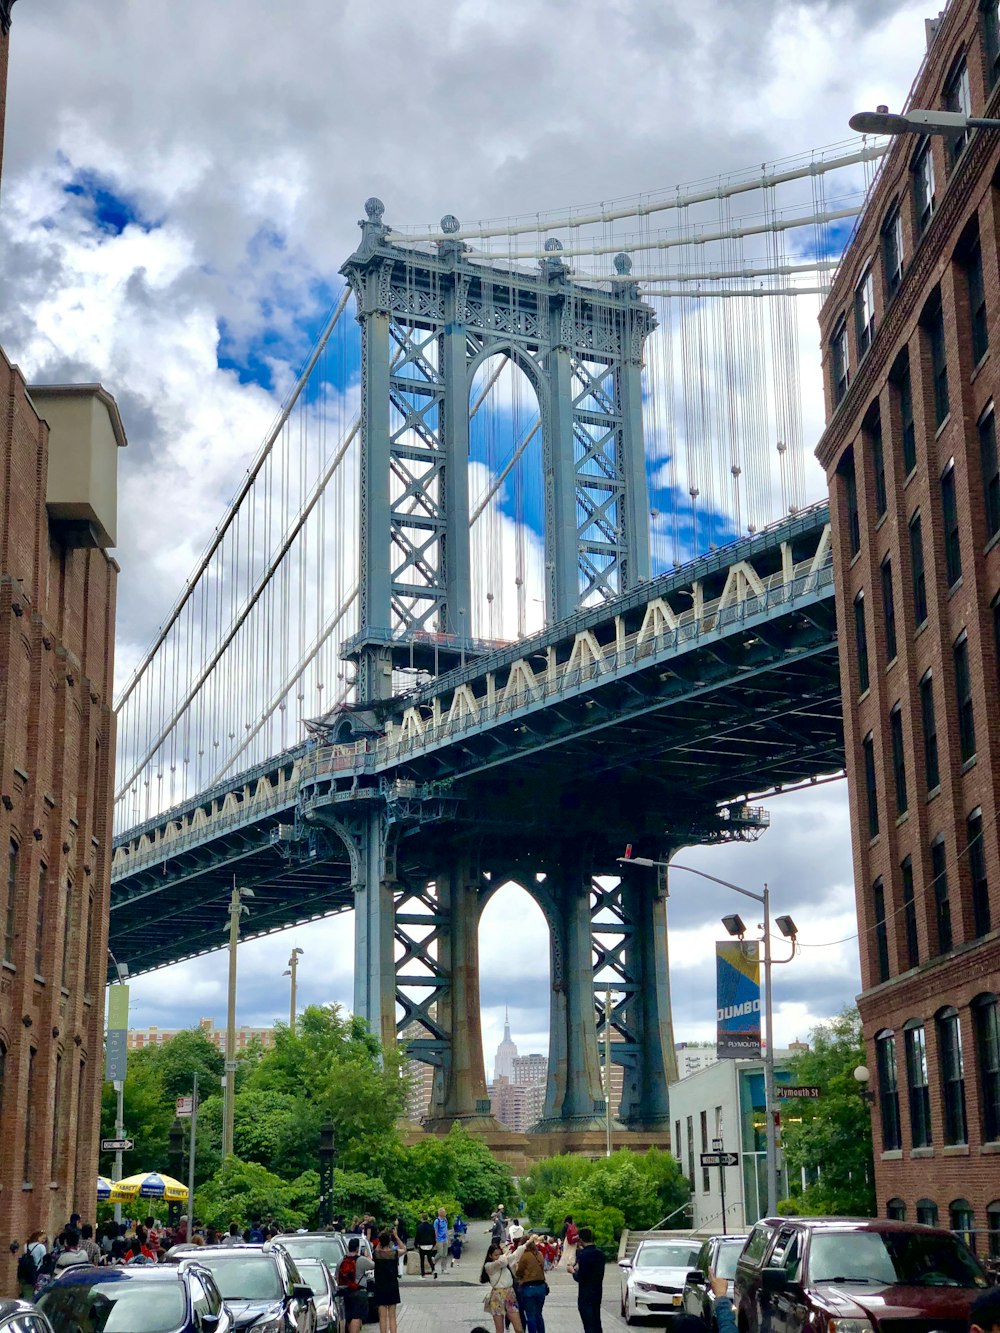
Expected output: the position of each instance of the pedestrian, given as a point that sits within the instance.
(425, 1241)
(70, 1254)
(588, 1274)
(351, 1269)
(530, 1273)
(90, 1246)
(29, 1265)
(255, 1235)
(515, 1231)
(441, 1240)
(570, 1238)
(402, 1235)
(232, 1237)
(500, 1302)
(386, 1260)
(455, 1248)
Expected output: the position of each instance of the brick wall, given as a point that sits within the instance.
(56, 772)
(933, 266)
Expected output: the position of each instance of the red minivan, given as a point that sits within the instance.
(847, 1275)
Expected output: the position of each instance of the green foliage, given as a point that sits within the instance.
(240, 1191)
(833, 1138)
(626, 1189)
(458, 1165)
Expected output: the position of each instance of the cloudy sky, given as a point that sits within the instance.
(182, 180)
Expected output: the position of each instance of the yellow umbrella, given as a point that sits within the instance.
(149, 1185)
(103, 1189)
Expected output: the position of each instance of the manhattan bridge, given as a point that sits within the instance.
(524, 571)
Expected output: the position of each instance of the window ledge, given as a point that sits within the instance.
(881, 519)
(970, 763)
(991, 543)
(891, 663)
(892, 1155)
(864, 694)
(902, 819)
(943, 426)
(979, 365)
(8, 967)
(909, 476)
(874, 842)
(921, 1152)
(934, 793)
(956, 585)
(991, 1147)
(53, 1184)
(27, 1185)
(39, 980)
(855, 558)
(955, 1150)
(921, 627)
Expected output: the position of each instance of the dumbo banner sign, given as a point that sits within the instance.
(737, 972)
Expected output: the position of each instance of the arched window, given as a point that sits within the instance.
(895, 1209)
(986, 1024)
(888, 1089)
(917, 1085)
(962, 1220)
(927, 1212)
(952, 1070)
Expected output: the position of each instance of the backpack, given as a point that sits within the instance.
(27, 1269)
(347, 1274)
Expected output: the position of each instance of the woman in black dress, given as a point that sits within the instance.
(386, 1257)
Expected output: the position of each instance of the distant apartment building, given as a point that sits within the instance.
(138, 1038)
(693, 1056)
(517, 1107)
(530, 1069)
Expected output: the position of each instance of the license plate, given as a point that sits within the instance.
(677, 1300)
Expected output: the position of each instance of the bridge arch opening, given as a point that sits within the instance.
(515, 987)
(506, 501)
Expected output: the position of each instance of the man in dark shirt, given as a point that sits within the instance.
(588, 1274)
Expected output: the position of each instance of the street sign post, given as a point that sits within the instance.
(720, 1159)
(184, 1106)
(117, 1145)
(793, 1093)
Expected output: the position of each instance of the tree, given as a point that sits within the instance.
(832, 1141)
(240, 1191)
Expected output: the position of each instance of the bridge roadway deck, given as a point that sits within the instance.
(630, 722)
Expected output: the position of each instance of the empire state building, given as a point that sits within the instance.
(503, 1065)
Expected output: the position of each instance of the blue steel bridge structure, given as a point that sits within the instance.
(436, 645)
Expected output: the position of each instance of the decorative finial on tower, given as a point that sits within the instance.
(623, 265)
(450, 224)
(553, 244)
(374, 209)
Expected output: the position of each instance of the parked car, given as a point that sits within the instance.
(140, 1299)
(717, 1257)
(329, 1306)
(330, 1246)
(653, 1279)
(261, 1286)
(22, 1317)
(868, 1275)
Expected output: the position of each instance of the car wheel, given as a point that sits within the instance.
(628, 1315)
(622, 1311)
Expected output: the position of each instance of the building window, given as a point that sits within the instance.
(952, 1068)
(993, 1229)
(40, 922)
(958, 98)
(67, 936)
(677, 1142)
(888, 1090)
(932, 322)
(919, 573)
(949, 514)
(927, 1213)
(963, 692)
(898, 758)
(971, 260)
(864, 312)
(871, 788)
(861, 642)
(895, 1210)
(840, 372)
(986, 1024)
(881, 934)
(931, 770)
(690, 1148)
(892, 251)
(919, 1090)
(990, 471)
(910, 913)
(56, 1117)
(847, 471)
(873, 439)
(977, 873)
(899, 378)
(942, 905)
(888, 609)
(29, 1113)
(923, 186)
(10, 915)
(991, 39)
(962, 1220)
(706, 1183)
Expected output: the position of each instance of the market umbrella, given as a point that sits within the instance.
(103, 1189)
(149, 1185)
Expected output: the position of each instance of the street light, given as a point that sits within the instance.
(327, 1150)
(863, 1077)
(735, 926)
(291, 971)
(917, 121)
(236, 910)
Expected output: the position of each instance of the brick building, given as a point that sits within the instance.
(138, 1038)
(58, 449)
(911, 339)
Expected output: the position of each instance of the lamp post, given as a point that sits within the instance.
(292, 971)
(735, 926)
(917, 121)
(121, 974)
(175, 1156)
(326, 1156)
(236, 910)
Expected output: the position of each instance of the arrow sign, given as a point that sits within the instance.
(117, 1145)
(720, 1159)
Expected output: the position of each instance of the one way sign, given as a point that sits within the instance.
(720, 1159)
(117, 1145)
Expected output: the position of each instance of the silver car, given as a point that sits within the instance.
(653, 1279)
(329, 1306)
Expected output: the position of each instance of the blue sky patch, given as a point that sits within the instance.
(111, 210)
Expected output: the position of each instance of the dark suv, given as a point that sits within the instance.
(843, 1275)
(262, 1288)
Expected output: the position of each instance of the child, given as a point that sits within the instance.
(455, 1248)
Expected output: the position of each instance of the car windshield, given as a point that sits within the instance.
(725, 1260)
(905, 1258)
(328, 1248)
(243, 1277)
(666, 1256)
(115, 1307)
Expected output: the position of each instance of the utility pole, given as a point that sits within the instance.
(607, 1067)
(236, 910)
(194, 1126)
(292, 971)
(719, 1147)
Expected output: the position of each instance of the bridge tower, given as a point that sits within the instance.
(430, 316)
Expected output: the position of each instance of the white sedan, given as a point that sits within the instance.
(653, 1279)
